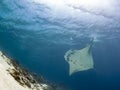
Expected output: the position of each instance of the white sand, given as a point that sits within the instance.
(7, 82)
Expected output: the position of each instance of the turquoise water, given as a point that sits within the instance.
(38, 38)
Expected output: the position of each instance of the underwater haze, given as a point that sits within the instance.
(38, 33)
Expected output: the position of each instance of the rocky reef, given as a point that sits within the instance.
(15, 77)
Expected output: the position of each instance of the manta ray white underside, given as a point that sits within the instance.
(79, 60)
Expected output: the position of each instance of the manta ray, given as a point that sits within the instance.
(79, 60)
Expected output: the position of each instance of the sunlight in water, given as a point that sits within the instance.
(86, 3)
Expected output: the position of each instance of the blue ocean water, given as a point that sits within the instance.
(30, 34)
